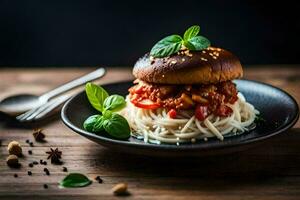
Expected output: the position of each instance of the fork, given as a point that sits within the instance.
(41, 111)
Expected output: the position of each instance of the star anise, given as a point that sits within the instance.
(54, 155)
(38, 135)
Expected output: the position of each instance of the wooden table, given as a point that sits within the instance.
(269, 171)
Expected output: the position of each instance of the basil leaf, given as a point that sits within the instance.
(191, 32)
(96, 95)
(117, 126)
(107, 114)
(93, 124)
(75, 180)
(189, 45)
(114, 103)
(167, 46)
(198, 43)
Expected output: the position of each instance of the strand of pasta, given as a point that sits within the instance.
(155, 126)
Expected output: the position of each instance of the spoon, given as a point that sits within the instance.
(21, 103)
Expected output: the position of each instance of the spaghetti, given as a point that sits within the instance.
(155, 126)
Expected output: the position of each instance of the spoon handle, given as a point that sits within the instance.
(75, 83)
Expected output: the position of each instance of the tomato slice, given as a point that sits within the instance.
(139, 89)
(146, 104)
(172, 113)
(201, 112)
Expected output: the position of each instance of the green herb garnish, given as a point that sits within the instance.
(116, 126)
(75, 180)
(109, 121)
(96, 95)
(114, 103)
(93, 124)
(173, 43)
(167, 46)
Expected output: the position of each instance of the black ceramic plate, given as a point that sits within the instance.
(279, 110)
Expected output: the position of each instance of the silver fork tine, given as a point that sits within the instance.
(52, 107)
(24, 115)
(41, 109)
(34, 112)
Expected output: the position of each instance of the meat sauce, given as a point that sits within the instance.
(205, 99)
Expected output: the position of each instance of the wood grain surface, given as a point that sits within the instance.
(269, 171)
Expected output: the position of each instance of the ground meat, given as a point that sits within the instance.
(215, 96)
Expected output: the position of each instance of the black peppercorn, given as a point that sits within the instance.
(29, 152)
(65, 169)
(27, 141)
(46, 171)
(31, 144)
(99, 179)
(45, 186)
(30, 165)
(15, 175)
(29, 173)
(35, 162)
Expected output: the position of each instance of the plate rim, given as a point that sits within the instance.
(170, 147)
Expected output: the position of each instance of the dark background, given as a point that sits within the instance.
(114, 33)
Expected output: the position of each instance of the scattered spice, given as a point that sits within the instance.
(45, 186)
(120, 189)
(35, 163)
(38, 135)
(65, 169)
(31, 144)
(12, 161)
(42, 162)
(30, 165)
(14, 148)
(29, 152)
(46, 171)
(99, 179)
(29, 173)
(54, 155)
(15, 175)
